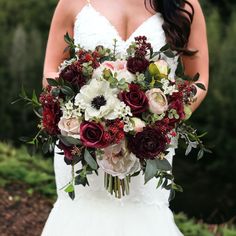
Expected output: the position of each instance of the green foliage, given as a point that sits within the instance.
(190, 227)
(17, 165)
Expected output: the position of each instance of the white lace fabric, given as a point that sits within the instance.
(145, 211)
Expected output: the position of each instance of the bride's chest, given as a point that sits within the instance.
(91, 28)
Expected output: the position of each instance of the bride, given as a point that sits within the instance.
(145, 211)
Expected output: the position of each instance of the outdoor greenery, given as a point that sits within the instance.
(37, 173)
(209, 183)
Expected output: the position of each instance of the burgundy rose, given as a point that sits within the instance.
(92, 135)
(137, 64)
(135, 98)
(68, 156)
(148, 144)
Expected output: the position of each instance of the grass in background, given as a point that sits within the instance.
(16, 165)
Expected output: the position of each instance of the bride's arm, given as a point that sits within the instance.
(62, 22)
(200, 61)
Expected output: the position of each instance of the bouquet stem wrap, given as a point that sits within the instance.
(115, 185)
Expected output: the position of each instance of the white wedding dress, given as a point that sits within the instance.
(94, 212)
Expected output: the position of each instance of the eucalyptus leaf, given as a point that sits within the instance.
(52, 82)
(68, 141)
(172, 194)
(201, 86)
(72, 195)
(81, 180)
(67, 90)
(196, 77)
(150, 170)
(200, 154)
(45, 147)
(169, 53)
(163, 164)
(69, 188)
(90, 160)
(165, 47)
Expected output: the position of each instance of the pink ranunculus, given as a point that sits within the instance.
(69, 127)
(157, 101)
(118, 67)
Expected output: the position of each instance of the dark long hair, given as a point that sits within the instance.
(177, 22)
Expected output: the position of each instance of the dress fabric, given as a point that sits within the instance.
(94, 212)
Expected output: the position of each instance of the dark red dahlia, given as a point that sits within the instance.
(73, 74)
(148, 144)
(137, 64)
(135, 98)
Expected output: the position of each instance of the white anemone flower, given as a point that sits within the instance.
(98, 100)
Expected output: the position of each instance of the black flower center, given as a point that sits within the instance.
(98, 101)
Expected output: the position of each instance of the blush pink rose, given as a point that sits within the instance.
(157, 101)
(69, 127)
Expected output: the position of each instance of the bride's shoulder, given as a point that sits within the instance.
(68, 9)
(193, 4)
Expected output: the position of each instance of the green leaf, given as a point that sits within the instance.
(81, 180)
(180, 68)
(196, 77)
(159, 182)
(150, 170)
(69, 141)
(165, 47)
(177, 187)
(55, 92)
(200, 154)
(67, 90)
(45, 147)
(201, 86)
(69, 188)
(163, 164)
(25, 139)
(169, 53)
(90, 160)
(52, 82)
(172, 194)
(72, 195)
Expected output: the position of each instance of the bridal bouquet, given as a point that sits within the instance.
(117, 113)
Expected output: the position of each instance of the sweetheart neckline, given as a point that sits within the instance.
(112, 25)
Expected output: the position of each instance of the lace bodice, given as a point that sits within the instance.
(91, 28)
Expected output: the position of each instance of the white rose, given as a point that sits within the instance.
(118, 161)
(157, 101)
(70, 127)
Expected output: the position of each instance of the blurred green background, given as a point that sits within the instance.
(209, 185)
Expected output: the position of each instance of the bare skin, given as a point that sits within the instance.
(125, 23)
